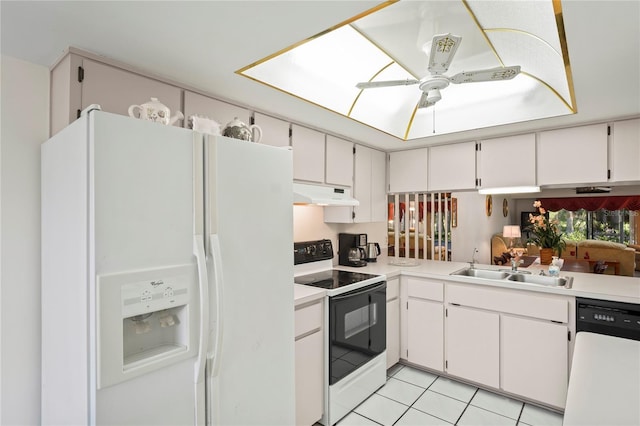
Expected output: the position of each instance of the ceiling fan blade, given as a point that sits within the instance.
(375, 84)
(443, 48)
(423, 102)
(493, 74)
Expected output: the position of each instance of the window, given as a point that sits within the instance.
(602, 224)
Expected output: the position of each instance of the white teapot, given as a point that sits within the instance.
(238, 130)
(155, 111)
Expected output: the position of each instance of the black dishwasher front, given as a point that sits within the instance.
(617, 319)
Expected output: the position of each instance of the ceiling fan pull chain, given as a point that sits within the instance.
(434, 119)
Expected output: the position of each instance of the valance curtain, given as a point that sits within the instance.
(631, 202)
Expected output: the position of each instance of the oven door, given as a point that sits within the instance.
(357, 329)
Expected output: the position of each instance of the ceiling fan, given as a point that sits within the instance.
(443, 49)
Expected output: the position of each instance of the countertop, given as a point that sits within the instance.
(595, 286)
(604, 388)
(304, 294)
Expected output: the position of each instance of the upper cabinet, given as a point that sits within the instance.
(220, 112)
(308, 154)
(275, 132)
(452, 167)
(408, 170)
(576, 155)
(339, 165)
(625, 151)
(77, 82)
(507, 161)
(368, 189)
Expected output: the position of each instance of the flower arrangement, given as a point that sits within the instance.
(546, 233)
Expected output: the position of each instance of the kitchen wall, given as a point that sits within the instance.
(24, 114)
(308, 224)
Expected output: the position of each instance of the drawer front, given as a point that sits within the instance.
(554, 308)
(393, 289)
(425, 289)
(308, 318)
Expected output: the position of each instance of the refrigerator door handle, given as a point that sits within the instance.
(203, 287)
(216, 291)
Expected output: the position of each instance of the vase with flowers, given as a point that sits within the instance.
(545, 234)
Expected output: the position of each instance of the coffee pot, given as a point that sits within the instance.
(357, 256)
(372, 252)
(238, 130)
(154, 111)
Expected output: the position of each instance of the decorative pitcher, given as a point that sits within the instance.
(155, 111)
(238, 130)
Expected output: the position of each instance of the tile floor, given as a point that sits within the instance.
(414, 397)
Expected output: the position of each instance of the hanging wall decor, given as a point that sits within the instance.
(489, 205)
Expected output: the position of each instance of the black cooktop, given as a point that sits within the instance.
(332, 278)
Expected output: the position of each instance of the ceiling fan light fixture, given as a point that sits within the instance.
(434, 95)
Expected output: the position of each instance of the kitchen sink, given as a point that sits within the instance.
(543, 280)
(516, 276)
(482, 273)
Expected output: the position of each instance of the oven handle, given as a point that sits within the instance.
(363, 290)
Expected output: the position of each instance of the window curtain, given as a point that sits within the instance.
(631, 202)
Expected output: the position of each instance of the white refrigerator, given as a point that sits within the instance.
(167, 291)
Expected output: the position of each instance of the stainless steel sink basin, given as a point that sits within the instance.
(542, 280)
(482, 273)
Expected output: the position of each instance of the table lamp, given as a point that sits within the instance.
(511, 232)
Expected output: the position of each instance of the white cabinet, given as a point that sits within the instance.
(275, 132)
(408, 170)
(393, 321)
(624, 157)
(77, 82)
(339, 165)
(473, 345)
(534, 357)
(309, 369)
(452, 167)
(221, 112)
(423, 323)
(308, 154)
(507, 162)
(368, 189)
(576, 155)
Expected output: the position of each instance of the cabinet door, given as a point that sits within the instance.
(378, 190)
(362, 184)
(339, 167)
(425, 333)
(220, 112)
(534, 358)
(275, 132)
(393, 332)
(625, 151)
(508, 161)
(408, 171)
(473, 345)
(572, 156)
(452, 167)
(115, 89)
(309, 379)
(308, 154)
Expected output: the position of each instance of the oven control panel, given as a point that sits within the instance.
(312, 251)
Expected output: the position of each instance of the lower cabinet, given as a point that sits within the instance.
(309, 373)
(423, 322)
(473, 345)
(393, 321)
(534, 358)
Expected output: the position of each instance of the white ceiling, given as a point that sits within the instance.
(203, 43)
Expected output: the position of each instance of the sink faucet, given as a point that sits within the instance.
(514, 264)
(473, 258)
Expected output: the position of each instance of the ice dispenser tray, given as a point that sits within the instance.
(146, 321)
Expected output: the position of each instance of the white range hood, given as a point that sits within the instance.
(322, 195)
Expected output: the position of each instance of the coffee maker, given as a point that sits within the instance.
(351, 249)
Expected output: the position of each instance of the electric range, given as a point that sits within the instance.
(355, 323)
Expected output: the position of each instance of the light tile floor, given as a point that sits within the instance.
(412, 397)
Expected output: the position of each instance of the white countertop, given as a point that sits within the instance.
(604, 388)
(606, 287)
(305, 293)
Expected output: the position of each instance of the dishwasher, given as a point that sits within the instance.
(604, 384)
